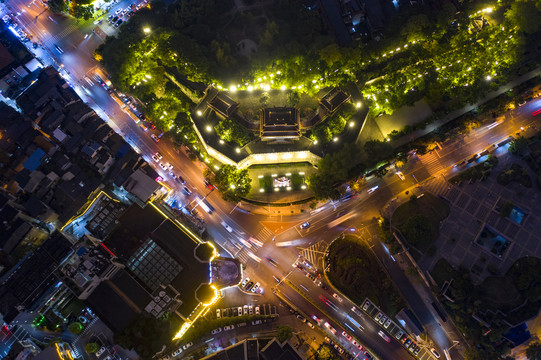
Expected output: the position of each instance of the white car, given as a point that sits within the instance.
(335, 295)
(163, 166)
(371, 190)
(435, 353)
(256, 286)
(400, 175)
(187, 345)
(100, 351)
(384, 336)
(239, 310)
(227, 227)
(229, 327)
(177, 352)
(257, 310)
(218, 314)
(244, 282)
(216, 331)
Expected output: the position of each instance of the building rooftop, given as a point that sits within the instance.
(223, 104)
(142, 235)
(141, 185)
(280, 123)
(119, 300)
(31, 277)
(334, 99)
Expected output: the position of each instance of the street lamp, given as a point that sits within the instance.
(147, 30)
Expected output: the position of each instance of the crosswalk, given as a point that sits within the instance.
(264, 234)
(61, 35)
(441, 187)
(86, 329)
(314, 254)
(246, 254)
(432, 163)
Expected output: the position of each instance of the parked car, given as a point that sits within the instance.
(187, 191)
(435, 353)
(366, 305)
(216, 331)
(239, 309)
(346, 335)
(245, 310)
(218, 313)
(249, 286)
(100, 351)
(301, 318)
(257, 322)
(387, 323)
(257, 310)
(378, 317)
(399, 335)
(229, 327)
(359, 346)
(176, 352)
(244, 282)
(185, 347)
(163, 166)
(256, 286)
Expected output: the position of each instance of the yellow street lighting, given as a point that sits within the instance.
(146, 30)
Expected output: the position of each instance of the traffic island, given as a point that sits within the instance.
(353, 270)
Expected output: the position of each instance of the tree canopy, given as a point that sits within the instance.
(233, 184)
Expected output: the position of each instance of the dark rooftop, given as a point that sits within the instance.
(334, 99)
(119, 300)
(223, 104)
(276, 351)
(33, 276)
(280, 122)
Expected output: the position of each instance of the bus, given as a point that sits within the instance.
(205, 205)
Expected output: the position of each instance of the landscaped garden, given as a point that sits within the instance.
(419, 220)
(512, 298)
(480, 171)
(355, 272)
(166, 55)
(514, 173)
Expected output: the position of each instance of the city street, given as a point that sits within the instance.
(355, 215)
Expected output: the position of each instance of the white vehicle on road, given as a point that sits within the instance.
(371, 190)
(227, 227)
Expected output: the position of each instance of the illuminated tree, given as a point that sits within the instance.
(92, 347)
